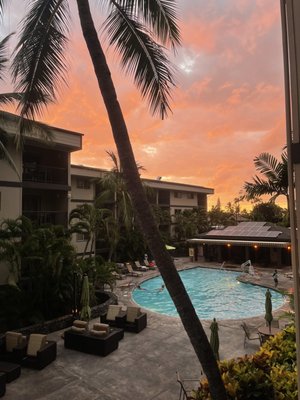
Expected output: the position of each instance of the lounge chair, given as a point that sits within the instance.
(40, 352)
(140, 266)
(250, 334)
(114, 316)
(134, 321)
(12, 347)
(131, 272)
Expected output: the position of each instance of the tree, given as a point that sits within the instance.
(132, 26)
(88, 220)
(269, 212)
(275, 178)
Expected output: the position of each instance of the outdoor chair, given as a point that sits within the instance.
(40, 352)
(131, 272)
(2, 384)
(134, 321)
(141, 267)
(186, 391)
(12, 347)
(250, 334)
(114, 316)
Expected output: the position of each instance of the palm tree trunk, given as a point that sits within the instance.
(141, 205)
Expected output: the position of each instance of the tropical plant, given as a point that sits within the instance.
(140, 30)
(274, 181)
(268, 374)
(89, 220)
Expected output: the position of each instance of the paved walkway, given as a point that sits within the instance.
(144, 366)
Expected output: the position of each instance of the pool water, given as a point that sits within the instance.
(214, 293)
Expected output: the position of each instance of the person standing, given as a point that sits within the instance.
(275, 277)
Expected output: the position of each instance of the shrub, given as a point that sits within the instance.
(268, 374)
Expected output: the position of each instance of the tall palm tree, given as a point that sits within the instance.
(89, 220)
(275, 181)
(5, 98)
(140, 30)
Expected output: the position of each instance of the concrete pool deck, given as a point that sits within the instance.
(145, 364)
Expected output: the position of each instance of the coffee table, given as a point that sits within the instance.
(12, 371)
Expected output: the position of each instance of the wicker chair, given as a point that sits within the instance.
(2, 384)
(114, 316)
(40, 352)
(134, 321)
(12, 347)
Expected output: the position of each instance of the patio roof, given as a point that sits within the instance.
(240, 242)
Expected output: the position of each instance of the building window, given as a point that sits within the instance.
(82, 237)
(178, 195)
(190, 195)
(83, 183)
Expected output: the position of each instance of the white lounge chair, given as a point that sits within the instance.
(140, 266)
(131, 272)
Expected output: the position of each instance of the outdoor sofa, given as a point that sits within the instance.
(131, 320)
(101, 340)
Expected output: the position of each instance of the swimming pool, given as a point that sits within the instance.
(214, 293)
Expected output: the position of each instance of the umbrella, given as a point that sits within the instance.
(170, 247)
(268, 307)
(214, 338)
(85, 313)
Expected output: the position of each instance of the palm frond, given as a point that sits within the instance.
(3, 53)
(159, 15)
(39, 65)
(9, 98)
(142, 58)
(266, 164)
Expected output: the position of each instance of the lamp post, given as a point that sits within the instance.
(290, 17)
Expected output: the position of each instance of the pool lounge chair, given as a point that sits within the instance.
(140, 266)
(131, 272)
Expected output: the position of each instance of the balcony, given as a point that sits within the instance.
(47, 217)
(44, 174)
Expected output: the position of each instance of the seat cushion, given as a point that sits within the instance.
(35, 343)
(12, 340)
(113, 311)
(80, 324)
(98, 333)
(101, 327)
(78, 330)
(132, 313)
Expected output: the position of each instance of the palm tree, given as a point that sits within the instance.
(5, 98)
(276, 178)
(140, 30)
(88, 220)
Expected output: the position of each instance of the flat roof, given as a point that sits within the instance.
(155, 183)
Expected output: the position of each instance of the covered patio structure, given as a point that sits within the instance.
(263, 243)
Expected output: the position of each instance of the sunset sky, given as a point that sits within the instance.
(227, 108)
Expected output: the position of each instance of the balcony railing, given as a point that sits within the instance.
(47, 217)
(44, 174)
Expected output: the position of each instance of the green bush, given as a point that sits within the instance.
(268, 374)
